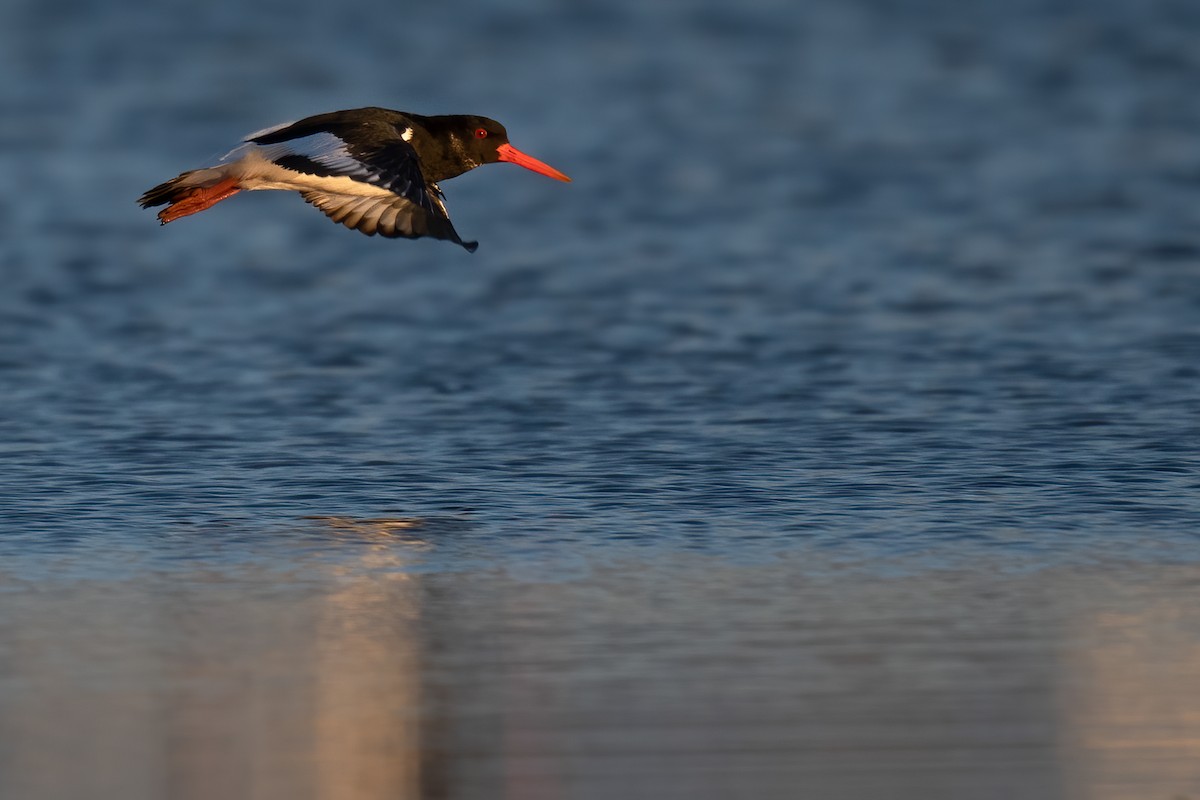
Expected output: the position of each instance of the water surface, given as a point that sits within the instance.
(835, 428)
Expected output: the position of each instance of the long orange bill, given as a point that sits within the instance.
(509, 153)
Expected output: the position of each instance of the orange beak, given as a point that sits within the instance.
(511, 154)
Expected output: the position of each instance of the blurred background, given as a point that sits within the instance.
(832, 435)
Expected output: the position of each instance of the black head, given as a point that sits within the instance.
(485, 141)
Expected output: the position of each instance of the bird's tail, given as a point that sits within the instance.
(189, 193)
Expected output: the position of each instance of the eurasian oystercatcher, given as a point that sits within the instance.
(372, 169)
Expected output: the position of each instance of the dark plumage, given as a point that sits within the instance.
(371, 169)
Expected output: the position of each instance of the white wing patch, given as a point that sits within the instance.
(321, 148)
(271, 129)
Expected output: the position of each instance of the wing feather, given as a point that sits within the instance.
(356, 212)
(390, 216)
(370, 221)
(387, 221)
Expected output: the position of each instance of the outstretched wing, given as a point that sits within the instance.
(387, 194)
(385, 214)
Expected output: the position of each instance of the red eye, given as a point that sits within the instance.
(480, 133)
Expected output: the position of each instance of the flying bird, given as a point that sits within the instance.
(372, 169)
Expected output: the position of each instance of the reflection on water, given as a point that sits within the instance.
(367, 687)
(1134, 701)
(383, 526)
(665, 678)
(212, 685)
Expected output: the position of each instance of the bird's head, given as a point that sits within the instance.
(486, 142)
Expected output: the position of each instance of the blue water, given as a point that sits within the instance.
(836, 282)
(830, 275)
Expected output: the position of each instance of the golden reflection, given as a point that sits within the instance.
(214, 685)
(240, 683)
(381, 526)
(367, 688)
(1132, 711)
